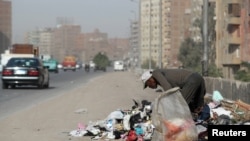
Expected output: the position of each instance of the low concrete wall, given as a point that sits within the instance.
(229, 89)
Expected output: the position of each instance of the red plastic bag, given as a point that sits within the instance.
(131, 136)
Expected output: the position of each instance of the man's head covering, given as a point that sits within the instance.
(145, 76)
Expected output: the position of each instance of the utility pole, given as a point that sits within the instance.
(160, 32)
(150, 34)
(205, 39)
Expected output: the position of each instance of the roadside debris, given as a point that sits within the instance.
(220, 111)
(136, 124)
(121, 124)
(81, 111)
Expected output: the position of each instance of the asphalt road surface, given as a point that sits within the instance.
(13, 100)
(52, 119)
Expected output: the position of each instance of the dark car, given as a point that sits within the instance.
(25, 71)
(102, 68)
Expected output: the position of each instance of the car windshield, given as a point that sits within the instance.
(22, 62)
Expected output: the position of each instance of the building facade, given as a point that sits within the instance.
(232, 40)
(150, 32)
(65, 40)
(134, 52)
(46, 42)
(5, 25)
(163, 26)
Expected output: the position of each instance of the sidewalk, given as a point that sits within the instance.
(54, 119)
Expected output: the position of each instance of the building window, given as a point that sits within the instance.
(234, 10)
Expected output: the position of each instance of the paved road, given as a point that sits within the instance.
(12, 100)
(54, 119)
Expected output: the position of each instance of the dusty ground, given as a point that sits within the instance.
(54, 119)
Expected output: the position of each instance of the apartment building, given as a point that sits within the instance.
(150, 32)
(68, 40)
(32, 37)
(119, 49)
(163, 26)
(180, 19)
(46, 41)
(232, 41)
(196, 14)
(5, 25)
(96, 41)
(134, 43)
(65, 40)
(42, 38)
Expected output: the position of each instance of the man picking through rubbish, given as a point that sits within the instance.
(191, 84)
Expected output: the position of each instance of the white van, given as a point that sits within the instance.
(119, 66)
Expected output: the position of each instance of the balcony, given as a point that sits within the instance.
(234, 20)
(231, 60)
(234, 40)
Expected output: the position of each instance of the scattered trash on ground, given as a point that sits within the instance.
(136, 124)
(120, 124)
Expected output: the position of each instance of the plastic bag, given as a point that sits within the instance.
(172, 118)
(217, 97)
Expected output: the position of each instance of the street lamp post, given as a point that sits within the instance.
(205, 40)
(160, 32)
(150, 34)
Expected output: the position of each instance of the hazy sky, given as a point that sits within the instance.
(109, 16)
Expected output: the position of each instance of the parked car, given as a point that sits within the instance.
(25, 71)
(52, 65)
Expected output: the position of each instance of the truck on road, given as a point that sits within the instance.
(24, 49)
(119, 65)
(69, 63)
(101, 62)
(18, 50)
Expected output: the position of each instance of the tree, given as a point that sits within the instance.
(190, 54)
(243, 74)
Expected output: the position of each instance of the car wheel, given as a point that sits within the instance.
(5, 86)
(46, 85)
(41, 84)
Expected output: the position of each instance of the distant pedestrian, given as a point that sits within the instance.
(191, 84)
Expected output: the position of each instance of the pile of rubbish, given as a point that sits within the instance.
(220, 111)
(135, 124)
(130, 125)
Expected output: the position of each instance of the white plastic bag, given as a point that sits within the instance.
(172, 118)
(217, 97)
